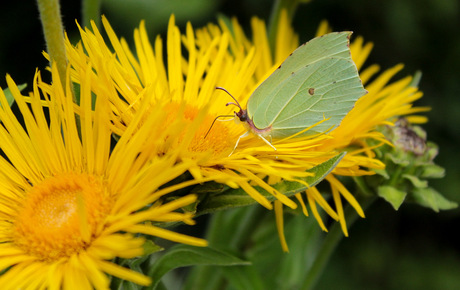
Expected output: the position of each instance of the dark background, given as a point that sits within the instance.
(414, 248)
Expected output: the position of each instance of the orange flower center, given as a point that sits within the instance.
(60, 216)
(219, 139)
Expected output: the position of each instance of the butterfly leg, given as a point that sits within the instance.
(266, 141)
(238, 141)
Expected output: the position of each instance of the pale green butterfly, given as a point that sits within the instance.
(318, 81)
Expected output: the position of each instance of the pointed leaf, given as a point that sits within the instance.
(432, 150)
(227, 21)
(416, 79)
(416, 181)
(382, 172)
(184, 255)
(392, 195)
(209, 187)
(135, 264)
(320, 171)
(433, 171)
(399, 160)
(238, 197)
(9, 96)
(429, 197)
(149, 248)
(285, 270)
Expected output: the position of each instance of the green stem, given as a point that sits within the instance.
(330, 243)
(395, 176)
(50, 16)
(91, 11)
(362, 186)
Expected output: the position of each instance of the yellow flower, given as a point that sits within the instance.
(68, 204)
(215, 58)
(197, 62)
(382, 105)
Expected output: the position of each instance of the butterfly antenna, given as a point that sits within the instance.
(237, 104)
(221, 116)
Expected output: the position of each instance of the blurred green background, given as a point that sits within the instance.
(414, 248)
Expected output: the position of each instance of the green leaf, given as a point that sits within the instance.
(432, 150)
(400, 159)
(228, 229)
(204, 278)
(238, 197)
(271, 268)
(285, 270)
(135, 264)
(9, 96)
(226, 21)
(209, 187)
(382, 172)
(430, 198)
(320, 171)
(244, 278)
(433, 171)
(416, 181)
(149, 248)
(184, 255)
(416, 79)
(392, 195)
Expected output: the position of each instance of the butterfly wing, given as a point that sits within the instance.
(318, 80)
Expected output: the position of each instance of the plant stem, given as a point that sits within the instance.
(330, 243)
(91, 11)
(362, 186)
(50, 16)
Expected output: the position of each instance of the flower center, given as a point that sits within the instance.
(219, 138)
(60, 216)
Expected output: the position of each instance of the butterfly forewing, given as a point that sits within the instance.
(319, 80)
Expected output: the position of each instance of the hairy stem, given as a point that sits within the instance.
(53, 30)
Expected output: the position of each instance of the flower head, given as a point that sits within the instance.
(69, 203)
(187, 87)
(198, 61)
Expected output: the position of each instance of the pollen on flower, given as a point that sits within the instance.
(61, 215)
(218, 139)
